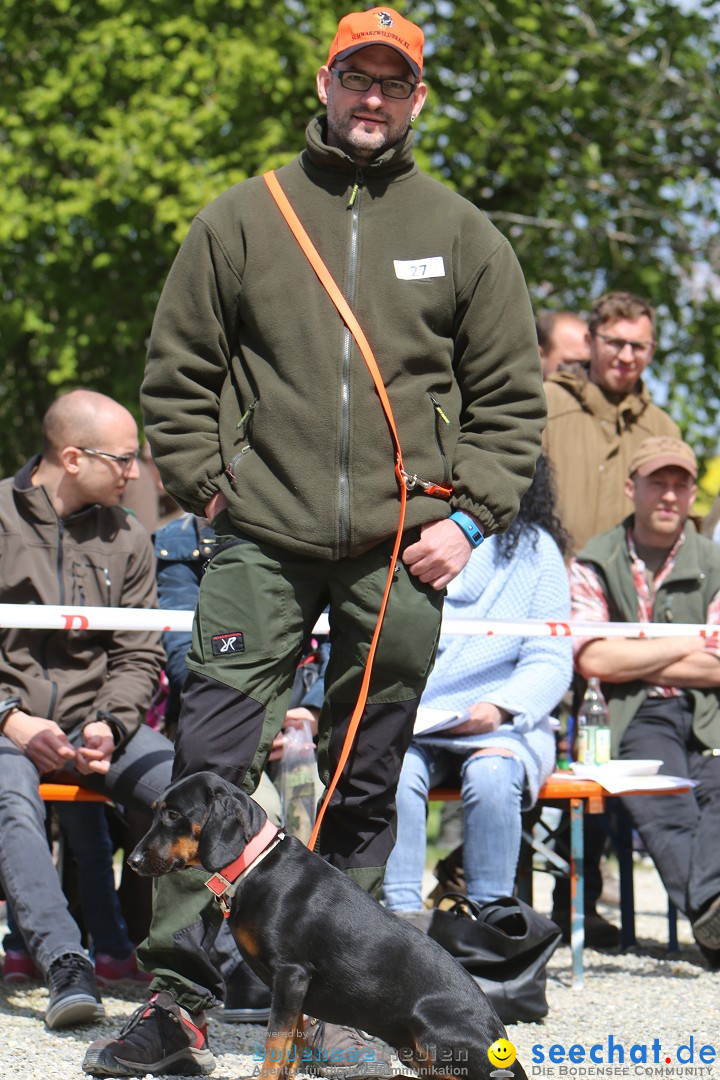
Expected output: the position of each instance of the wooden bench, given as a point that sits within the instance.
(52, 793)
(70, 793)
(580, 797)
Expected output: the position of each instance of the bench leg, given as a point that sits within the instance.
(524, 875)
(577, 891)
(624, 847)
(672, 928)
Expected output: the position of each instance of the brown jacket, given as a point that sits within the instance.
(589, 441)
(97, 557)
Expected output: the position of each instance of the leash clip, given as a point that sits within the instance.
(428, 486)
(409, 481)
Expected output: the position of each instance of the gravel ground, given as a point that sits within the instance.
(634, 998)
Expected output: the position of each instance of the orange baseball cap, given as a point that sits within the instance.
(379, 26)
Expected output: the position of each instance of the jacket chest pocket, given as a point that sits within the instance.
(90, 584)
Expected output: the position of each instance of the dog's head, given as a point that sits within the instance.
(201, 821)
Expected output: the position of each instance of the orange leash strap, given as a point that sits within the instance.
(346, 314)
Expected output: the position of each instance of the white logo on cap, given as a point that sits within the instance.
(384, 19)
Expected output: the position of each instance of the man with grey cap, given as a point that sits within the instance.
(662, 692)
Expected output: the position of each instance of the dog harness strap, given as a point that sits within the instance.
(222, 883)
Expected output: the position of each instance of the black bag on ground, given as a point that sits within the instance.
(504, 945)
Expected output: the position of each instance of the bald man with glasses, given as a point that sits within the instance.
(72, 701)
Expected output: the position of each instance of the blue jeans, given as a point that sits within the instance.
(90, 842)
(88, 837)
(492, 788)
(28, 875)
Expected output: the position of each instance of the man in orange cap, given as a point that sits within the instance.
(662, 692)
(262, 416)
(372, 43)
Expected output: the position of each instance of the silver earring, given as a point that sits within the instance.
(412, 119)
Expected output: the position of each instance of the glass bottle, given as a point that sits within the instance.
(593, 747)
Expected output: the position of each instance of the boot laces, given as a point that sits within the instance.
(65, 970)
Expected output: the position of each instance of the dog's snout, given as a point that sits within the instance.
(134, 860)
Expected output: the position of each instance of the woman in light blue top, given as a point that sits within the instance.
(504, 690)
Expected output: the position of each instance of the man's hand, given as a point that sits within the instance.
(440, 553)
(216, 504)
(711, 643)
(43, 741)
(483, 717)
(94, 756)
(654, 660)
(294, 718)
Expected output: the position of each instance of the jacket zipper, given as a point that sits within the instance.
(244, 424)
(440, 416)
(61, 600)
(244, 430)
(344, 479)
(59, 564)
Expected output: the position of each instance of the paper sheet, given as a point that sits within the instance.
(428, 720)
(618, 783)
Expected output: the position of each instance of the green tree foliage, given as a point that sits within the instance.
(589, 132)
(119, 119)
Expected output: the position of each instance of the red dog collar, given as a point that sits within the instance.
(222, 884)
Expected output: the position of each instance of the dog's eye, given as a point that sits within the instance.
(172, 814)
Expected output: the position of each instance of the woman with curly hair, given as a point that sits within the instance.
(503, 690)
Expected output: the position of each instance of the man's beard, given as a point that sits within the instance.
(345, 133)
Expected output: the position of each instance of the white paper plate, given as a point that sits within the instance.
(620, 767)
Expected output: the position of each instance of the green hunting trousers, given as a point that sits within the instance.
(256, 609)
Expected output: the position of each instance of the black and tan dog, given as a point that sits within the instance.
(321, 944)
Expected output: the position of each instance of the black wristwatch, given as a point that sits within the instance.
(8, 705)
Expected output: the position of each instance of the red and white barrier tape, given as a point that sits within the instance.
(47, 617)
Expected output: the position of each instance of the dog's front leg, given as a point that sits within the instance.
(285, 1038)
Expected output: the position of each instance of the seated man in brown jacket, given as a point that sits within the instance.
(72, 701)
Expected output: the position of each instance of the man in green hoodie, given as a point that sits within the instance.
(262, 415)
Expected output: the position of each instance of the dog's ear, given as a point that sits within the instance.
(222, 838)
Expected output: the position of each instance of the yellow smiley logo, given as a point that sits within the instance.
(502, 1053)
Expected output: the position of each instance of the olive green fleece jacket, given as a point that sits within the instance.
(253, 386)
(683, 597)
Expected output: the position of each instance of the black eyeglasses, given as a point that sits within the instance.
(360, 82)
(125, 461)
(640, 349)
